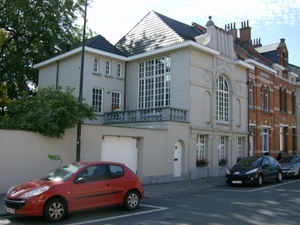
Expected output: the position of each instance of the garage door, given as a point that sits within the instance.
(120, 149)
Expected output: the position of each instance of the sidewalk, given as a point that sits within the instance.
(164, 189)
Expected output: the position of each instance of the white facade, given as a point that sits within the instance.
(166, 149)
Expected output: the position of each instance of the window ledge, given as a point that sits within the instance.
(109, 76)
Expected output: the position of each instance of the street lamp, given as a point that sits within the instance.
(78, 149)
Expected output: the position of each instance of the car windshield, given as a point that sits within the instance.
(62, 173)
(288, 159)
(249, 161)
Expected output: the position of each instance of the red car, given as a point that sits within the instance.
(74, 187)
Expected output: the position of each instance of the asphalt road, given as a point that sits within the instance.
(273, 203)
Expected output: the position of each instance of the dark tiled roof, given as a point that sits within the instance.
(156, 31)
(185, 31)
(100, 43)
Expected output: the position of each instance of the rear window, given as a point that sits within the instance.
(116, 171)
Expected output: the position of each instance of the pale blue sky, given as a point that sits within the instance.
(270, 20)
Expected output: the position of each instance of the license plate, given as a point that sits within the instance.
(10, 210)
(236, 181)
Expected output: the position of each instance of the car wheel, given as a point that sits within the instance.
(55, 210)
(279, 177)
(259, 180)
(132, 200)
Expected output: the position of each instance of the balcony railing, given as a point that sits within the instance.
(146, 115)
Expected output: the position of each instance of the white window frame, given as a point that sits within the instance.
(222, 148)
(222, 100)
(154, 83)
(116, 100)
(239, 147)
(119, 70)
(262, 97)
(265, 139)
(107, 67)
(97, 99)
(251, 95)
(96, 68)
(200, 143)
(267, 99)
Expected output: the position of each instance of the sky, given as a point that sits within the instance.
(270, 20)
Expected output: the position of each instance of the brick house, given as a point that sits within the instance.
(272, 94)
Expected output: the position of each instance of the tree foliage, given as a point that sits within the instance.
(31, 31)
(4, 99)
(49, 112)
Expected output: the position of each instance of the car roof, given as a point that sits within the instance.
(91, 163)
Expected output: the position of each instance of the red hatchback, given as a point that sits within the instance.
(74, 187)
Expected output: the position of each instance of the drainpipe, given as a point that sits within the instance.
(125, 74)
(248, 113)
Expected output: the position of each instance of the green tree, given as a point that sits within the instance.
(31, 31)
(4, 99)
(49, 112)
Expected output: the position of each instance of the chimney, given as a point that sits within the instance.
(232, 30)
(245, 32)
(256, 43)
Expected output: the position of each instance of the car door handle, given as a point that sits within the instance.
(107, 184)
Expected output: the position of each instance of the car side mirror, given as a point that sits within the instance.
(265, 166)
(80, 180)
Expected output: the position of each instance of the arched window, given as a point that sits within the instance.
(222, 107)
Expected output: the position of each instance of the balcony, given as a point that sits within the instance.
(147, 115)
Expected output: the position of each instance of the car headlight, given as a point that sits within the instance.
(293, 168)
(9, 189)
(35, 192)
(252, 171)
(228, 171)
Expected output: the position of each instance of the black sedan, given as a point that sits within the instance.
(255, 170)
(290, 166)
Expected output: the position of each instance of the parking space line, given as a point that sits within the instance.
(276, 185)
(154, 209)
(256, 189)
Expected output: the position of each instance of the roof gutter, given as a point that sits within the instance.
(130, 58)
(174, 47)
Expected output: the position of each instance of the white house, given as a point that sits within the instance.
(166, 95)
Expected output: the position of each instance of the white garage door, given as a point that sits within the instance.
(120, 149)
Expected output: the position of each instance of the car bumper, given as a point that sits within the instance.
(287, 173)
(240, 179)
(23, 207)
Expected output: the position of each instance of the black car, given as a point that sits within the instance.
(255, 170)
(290, 166)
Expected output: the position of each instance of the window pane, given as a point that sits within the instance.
(154, 83)
(97, 99)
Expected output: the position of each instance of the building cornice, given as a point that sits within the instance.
(78, 50)
(293, 74)
(244, 64)
(260, 65)
(130, 58)
(174, 47)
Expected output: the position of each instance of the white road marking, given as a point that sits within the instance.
(155, 209)
(256, 188)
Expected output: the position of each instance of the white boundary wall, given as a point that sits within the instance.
(24, 155)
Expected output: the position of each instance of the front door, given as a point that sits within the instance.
(177, 159)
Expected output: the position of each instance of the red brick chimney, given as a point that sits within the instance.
(245, 32)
